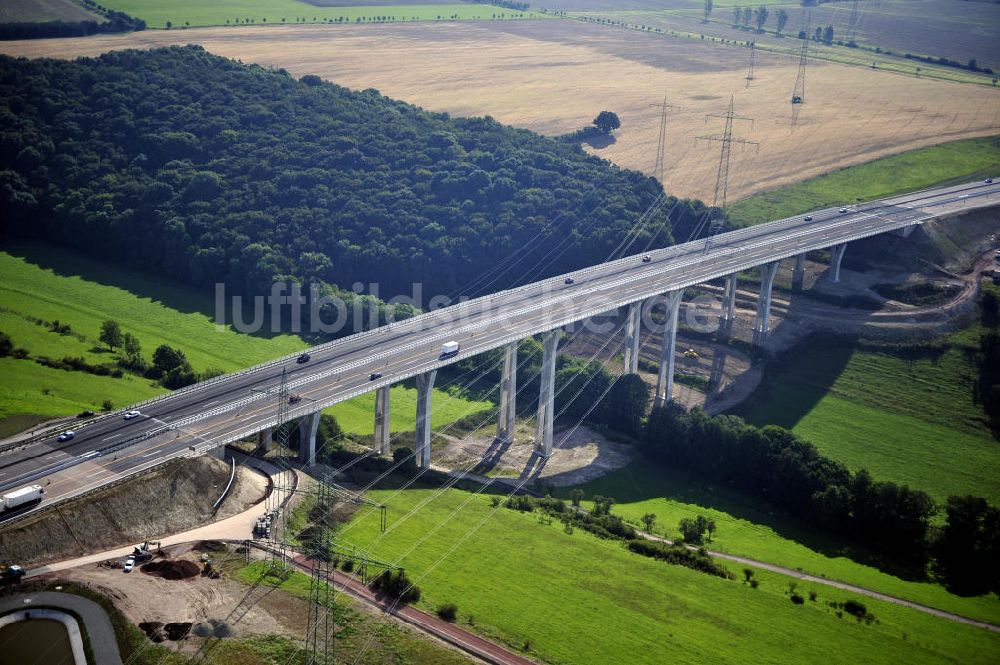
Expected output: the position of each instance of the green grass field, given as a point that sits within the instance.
(958, 161)
(275, 12)
(747, 527)
(909, 421)
(83, 293)
(357, 415)
(30, 11)
(573, 598)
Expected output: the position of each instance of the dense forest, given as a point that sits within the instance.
(205, 170)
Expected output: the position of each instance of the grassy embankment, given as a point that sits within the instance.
(959, 161)
(751, 528)
(905, 419)
(191, 13)
(573, 598)
(40, 285)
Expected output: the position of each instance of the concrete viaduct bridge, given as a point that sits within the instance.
(229, 408)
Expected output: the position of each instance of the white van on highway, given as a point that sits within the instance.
(449, 349)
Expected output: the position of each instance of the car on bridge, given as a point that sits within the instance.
(302, 359)
(375, 376)
(647, 258)
(842, 210)
(988, 181)
(67, 435)
(569, 280)
(809, 218)
(131, 414)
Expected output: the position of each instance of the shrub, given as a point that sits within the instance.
(395, 584)
(797, 599)
(681, 556)
(754, 583)
(448, 611)
(348, 565)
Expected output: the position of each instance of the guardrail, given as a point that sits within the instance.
(232, 476)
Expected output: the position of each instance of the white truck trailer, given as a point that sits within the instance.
(22, 497)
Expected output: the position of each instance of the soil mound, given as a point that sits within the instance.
(172, 570)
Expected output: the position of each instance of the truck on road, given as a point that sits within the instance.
(449, 349)
(21, 497)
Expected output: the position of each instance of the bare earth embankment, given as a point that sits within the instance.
(174, 498)
(555, 76)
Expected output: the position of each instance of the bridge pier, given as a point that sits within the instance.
(382, 421)
(633, 333)
(508, 394)
(264, 439)
(762, 321)
(799, 272)
(906, 231)
(546, 395)
(422, 442)
(728, 306)
(665, 379)
(837, 255)
(308, 427)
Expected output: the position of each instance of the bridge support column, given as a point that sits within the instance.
(508, 394)
(546, 396)
(382, 420)
(762, 322)
(836, 256)
(422, 442)
(799, 273)
(264, 439)
(665, 379)
(728, 306)
(906, 231)
(633, 333)
(308, 427)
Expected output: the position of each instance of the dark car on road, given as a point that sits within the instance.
(304, 358)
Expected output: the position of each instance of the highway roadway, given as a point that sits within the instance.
(226, 409)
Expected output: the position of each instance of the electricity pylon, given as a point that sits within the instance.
(753, 57)
(727, 140)
(799, 92)
(661, 144)
(852, 25)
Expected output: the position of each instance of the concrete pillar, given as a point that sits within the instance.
(382, 421)
(633, 333)
(546, 396)
(799, 273)
(307, 438)
(728, 306)
(906, 231)
(264, 439)
(665, 379)
(422, 441)
(508, 394)
(836, 256)
(762, 321)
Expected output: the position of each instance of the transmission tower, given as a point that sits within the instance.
(321, 624)
(799, 92)
(753, 57)
(661, 145)
(852, 25)
(727, 140)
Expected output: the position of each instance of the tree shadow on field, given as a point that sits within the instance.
(647, 478)
(66, 262)
(598, 140)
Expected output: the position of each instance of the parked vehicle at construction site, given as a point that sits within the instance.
(22, 497)
(11, 574)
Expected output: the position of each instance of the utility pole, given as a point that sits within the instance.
(661, 145)
(753, 56)
(727, 140)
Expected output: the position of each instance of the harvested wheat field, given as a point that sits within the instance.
(555, 76)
